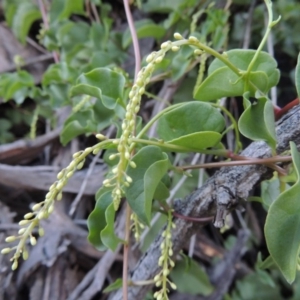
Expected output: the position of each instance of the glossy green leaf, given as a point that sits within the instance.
(9, 9)
(195, 125)
(59, 94)
(25, 14)
(257, 121)
(198, 141)
(114, 286)
(61, 9)
(59, 73)
(96, 221)
(144, 28)
(282, 228)
(72, 37)
(91, 119)
(162, 192)
(152, 164)
(297, 76)
(256, 285)
(223, 82)
(15, 85)
(102, 83)
(5, 135)
(108, 236)
(190, 278)
(229, 84)
(271, 189)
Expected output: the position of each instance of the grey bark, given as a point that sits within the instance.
(220, 194)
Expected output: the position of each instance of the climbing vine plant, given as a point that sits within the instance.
(87, 78)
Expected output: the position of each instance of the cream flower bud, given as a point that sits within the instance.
(149, 58)
(59, 196)
(166, 272)
(100, 136)
(21, 231)
(158, 60)
(128, 179)
(96, 151)
(164, 45)
(88, 149)
(173, 285)
(25, 254)
(59, 186)
(76, 154)
(28, 215)
(41, 231)
(80, 165)
(193, 39)
(160, 261)
(139, 81)
(10, 239)
(156, 278)
(159, 297)
(141, 91)
(49, 194)
(23, 222)
(70, 174)
(5, 250)
(60, 175)
(50, 209)
(158, 283)
(14, 265)
(36, 206)
(132, 164)
(131, 94)
(106, 181)
(32, 240)
(178, 36)
(112, 156)
(175, 48)
(41, 215)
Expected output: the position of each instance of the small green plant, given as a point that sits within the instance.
(140, 165)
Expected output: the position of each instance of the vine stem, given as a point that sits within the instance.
(241, 162)
(46, 24)
(135, 42)
(137, 56)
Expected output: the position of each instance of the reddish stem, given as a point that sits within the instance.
(280, 112)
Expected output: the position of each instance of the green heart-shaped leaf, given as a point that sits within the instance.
(101, 83)
(198, 141)
(282, 228)
(257, 121)
(108, 236)
(152, 164)
(195, 125)
(96, 221)
(223, 82)
(297, 76)
(25, 15)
